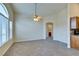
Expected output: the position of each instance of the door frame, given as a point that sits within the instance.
(47, 29)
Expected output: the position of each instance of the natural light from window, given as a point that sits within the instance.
(5, 25)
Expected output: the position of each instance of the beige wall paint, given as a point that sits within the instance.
(74, 9)
(49, 27)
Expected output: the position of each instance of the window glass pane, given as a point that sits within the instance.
(4, 29)
(5, 26)
(3, 10)
(0, 30)
(7, 30)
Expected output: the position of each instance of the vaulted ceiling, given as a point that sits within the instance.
(43, 9)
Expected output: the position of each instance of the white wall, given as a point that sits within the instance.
(27, 29)
(60, 26)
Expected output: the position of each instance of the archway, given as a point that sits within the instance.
(49, 30)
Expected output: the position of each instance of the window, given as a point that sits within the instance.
(3, 10)
(10, 29)
(5, 25)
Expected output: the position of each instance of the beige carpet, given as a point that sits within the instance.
(41, 48)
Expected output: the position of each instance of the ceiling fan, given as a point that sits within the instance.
(36, 17)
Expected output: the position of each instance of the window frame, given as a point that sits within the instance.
(7, 25)
(5, 9)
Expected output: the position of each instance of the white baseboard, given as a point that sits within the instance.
(28, 40)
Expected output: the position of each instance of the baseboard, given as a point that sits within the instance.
(28, 40)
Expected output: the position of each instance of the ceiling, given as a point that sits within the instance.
(43, 9)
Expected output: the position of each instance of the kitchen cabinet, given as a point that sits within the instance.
(74, 22)
(75, 41)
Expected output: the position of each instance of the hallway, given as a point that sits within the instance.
(41, 48)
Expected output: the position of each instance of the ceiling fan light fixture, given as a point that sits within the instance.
(36, 17)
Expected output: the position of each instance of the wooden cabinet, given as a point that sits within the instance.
(75, 41)
(74, 27)
(74, 22)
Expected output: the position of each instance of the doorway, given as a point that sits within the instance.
(49, 30)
